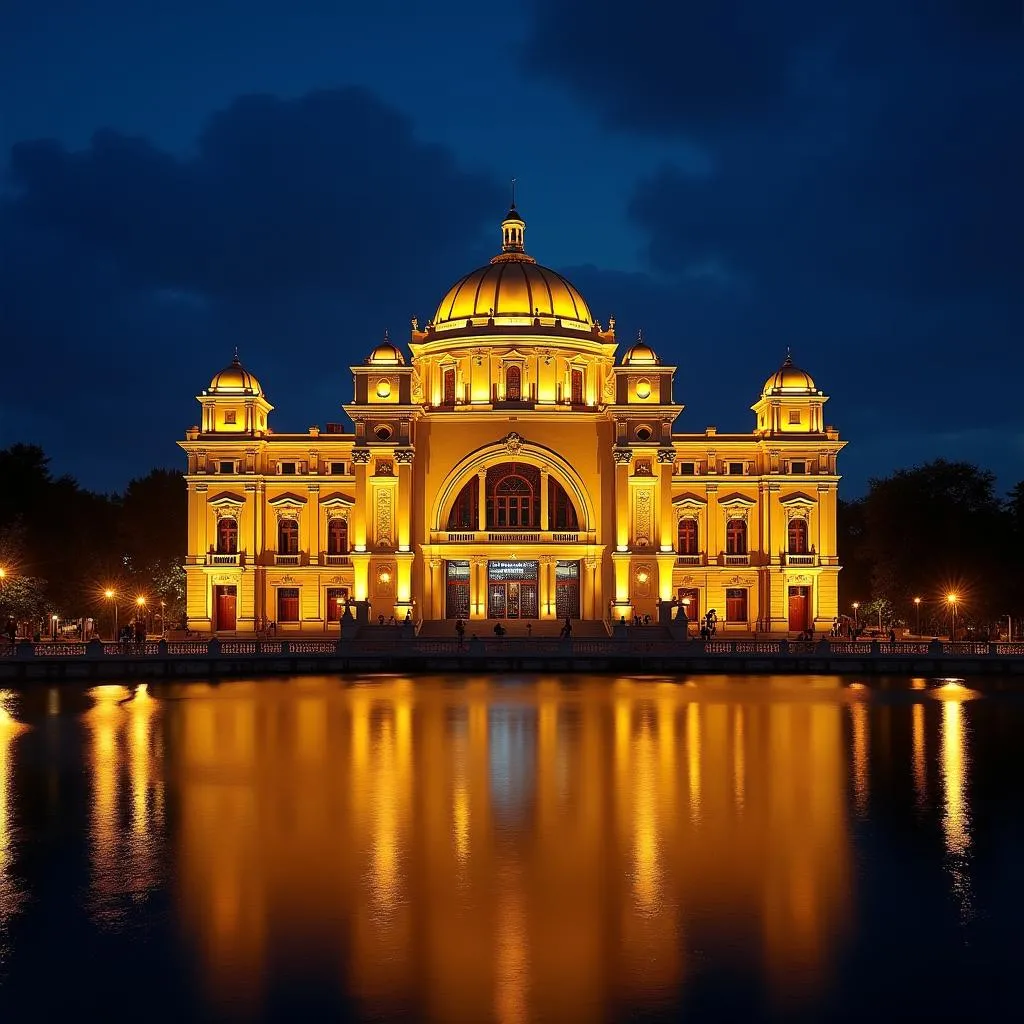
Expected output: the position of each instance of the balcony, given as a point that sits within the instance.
(280, 559)
(689, 559)
(337, 560)
(809, 559)
(219, 558)
(736, 559)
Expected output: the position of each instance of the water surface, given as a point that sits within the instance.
(514, 850)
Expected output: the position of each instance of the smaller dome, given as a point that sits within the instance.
(789, 379)
(641, 354)
(386, 354)
(234, 380)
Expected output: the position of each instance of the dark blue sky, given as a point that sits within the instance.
(292, 178)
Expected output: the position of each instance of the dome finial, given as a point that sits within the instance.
(789, 357)
(513, 194)
(235, 360)
(513, 228)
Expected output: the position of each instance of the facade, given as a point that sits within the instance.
(511, 468)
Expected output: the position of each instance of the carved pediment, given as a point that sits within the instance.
(798, 498)
(689, 498)
(737, 499)
(288, 498)
(337, 500)
(226, 498)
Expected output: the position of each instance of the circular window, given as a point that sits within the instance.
(643, 388)
(383, 388)
(644, 433)
(382, 432)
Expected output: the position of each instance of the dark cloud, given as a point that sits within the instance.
(861, 199)
(298, 230)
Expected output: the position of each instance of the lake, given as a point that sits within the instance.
(512, 849)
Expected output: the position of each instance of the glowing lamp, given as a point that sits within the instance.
(384, 577)
(641, 577)
(140, 601)
(108, 593)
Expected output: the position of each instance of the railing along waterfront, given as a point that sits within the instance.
(404, 643)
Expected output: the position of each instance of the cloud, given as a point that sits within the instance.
(861, 199)
(298, 230)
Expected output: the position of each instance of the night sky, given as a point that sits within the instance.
(843, 178)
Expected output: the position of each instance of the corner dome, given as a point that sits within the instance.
(789, 379)
(640, 354)
(234, 379)
(386, 354)
(513, 290)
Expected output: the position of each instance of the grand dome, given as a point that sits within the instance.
(789, 379)
(234, 379)
(513, 288)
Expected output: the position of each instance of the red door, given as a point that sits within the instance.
(799, 608)
(689, 601)
(225, 601)
(337, 598)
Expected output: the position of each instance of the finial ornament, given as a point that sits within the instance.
(789, 355)
(236, 354)
(387, 335)
(513, 193)
(640, 336)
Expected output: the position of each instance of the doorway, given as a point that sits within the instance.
(799, 608)
(689, 601)
(512, 590)
(337, 598)
(567, 590)
(225, 608)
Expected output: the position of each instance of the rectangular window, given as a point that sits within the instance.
(288, 604)
(227, 467)
(794, 416)
(687, 468)
(798, 467)
(287, 468)
(230, 416)
(736, 604)
(736, 469)
(338, 468)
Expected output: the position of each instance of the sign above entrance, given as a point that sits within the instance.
(497, 570)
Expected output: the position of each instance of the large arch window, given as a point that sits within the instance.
(561, 510)
(513, 384)
(797, 536)
(513, 499)
(227, 536)
(287, 537)
(464, 514)
(337, 537)
(736, 537)
(688, 537)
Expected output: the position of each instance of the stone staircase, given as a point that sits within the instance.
(582, 629)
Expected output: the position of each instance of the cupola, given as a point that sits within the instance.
(234, 402)
(790, 402)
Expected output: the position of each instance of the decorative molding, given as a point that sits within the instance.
(513, 442)
(288, 578)
(385, 519)
(740, 513)
(384, 467)
(336, 511)
(435, 563)
(666, 456)
(802, 580)
(591, 563)
(361, 456)
(797, 512)
(642, 517)
(643, 588)
(416, 387)
(622, 456)
(405, 456)
(336, 580)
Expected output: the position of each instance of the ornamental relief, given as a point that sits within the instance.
(642, 516)
(690, 512)
(385, 518)
(798, 512)
(513, 443)
(288, 512)
(622, 456)
(337, 511)
(227, 511)
(361, 456)
(738, 512)
(385, 578)
(643, 579)
(801, 580)
(405, 456)
(416, 387)
(741, 581)
(666, 456)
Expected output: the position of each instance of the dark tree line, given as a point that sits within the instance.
(927, 532)
(62, 546)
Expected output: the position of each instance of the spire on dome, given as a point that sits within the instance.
(513, 228)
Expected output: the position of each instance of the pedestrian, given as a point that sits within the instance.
(529, 629)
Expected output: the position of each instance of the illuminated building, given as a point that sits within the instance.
(512, 467)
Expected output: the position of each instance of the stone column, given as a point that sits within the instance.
(482, 500)
(623, 457)
(404, 458)
(360, 460)
(666, 521)
(545, 512)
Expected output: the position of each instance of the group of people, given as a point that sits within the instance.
(499, 630)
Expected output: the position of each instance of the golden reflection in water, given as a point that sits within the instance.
(859, 715)
(480, 852)
(10, 893)
(125, 741)
(920, 755)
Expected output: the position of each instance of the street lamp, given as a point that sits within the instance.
(53, 627)
(111, 596)
(856, 605)
(917, 605)
(140, 613)
(951, 600)
(163, 628)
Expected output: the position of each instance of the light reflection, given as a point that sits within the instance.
(859, 715)
(11, 894)
(920, 758)
(512, 856)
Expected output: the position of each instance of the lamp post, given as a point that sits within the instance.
(163, 628)
(53, 627)
(140, 613)
(686, 613)
(111, 596)
(856, 623)
(951, 600)
(917, 606)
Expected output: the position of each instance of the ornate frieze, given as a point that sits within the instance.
(513, 443)
(361, 456)
(385, 518)
(642, 517)
(405, 456)
(666, 456)
(622, 456)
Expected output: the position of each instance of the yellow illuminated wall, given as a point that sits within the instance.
(513, 368)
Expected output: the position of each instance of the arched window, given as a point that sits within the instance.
(513, 497)
(287, 537)
(464, 514)
(576, 387)
(513, 384)
(448, 386)
(337, 537)
(797, 536)
(227, 536)
(736, 537)
(688, 537)
(561, 511)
